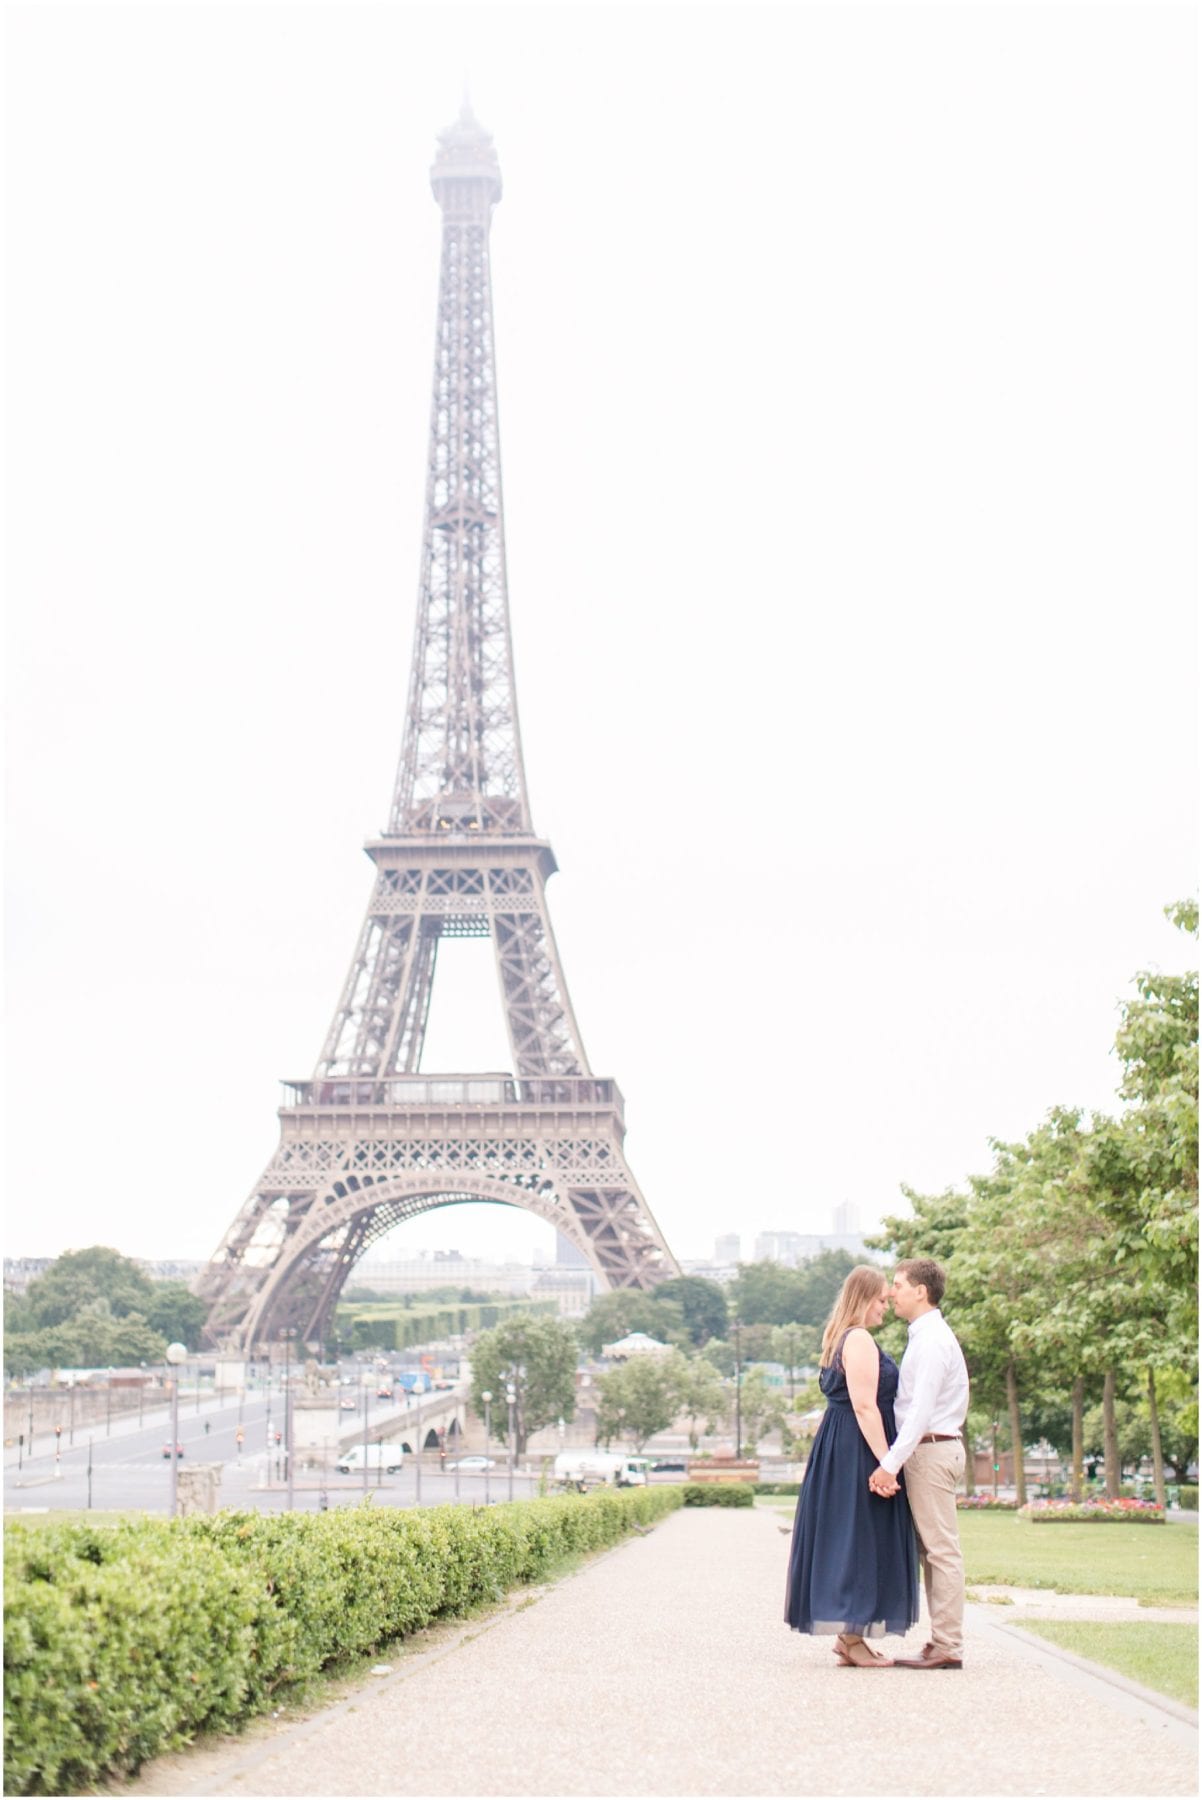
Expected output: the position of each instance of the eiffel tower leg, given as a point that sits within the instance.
(380, 1023)
(542, 1029)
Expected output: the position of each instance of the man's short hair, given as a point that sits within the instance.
(921, 1271)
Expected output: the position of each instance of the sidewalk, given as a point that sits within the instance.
(663, 1668)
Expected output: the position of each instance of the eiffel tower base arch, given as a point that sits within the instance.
(551, 1148)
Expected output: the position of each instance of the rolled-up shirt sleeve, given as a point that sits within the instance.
(928, 1381)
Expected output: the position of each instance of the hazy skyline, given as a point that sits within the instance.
(847, 378)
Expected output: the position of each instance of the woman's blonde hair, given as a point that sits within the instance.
(857, 1294)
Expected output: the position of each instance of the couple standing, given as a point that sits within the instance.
(851, 1562)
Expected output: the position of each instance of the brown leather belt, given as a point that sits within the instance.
(940, 1437)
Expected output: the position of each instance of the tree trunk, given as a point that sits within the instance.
(1016, 1436)
(1157, 1453)
(1077, 1484)
(970, 1486)
(1110, 1437)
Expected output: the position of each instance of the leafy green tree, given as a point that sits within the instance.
(761, 1408)
(702, 1304)
(822, 1277)
(93, 1338)
(539, 1355)
(794, 1346)
(636, 1400)
(767, 1293)
(720, 1353)
(1151, 1196)
(702, 1397)
(176, 1313)
(90, 1309)
(615, 1315)
(78, 1277)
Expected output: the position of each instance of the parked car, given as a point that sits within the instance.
(347, 1405)
(473, 1462)
(669, 1465)
(179, 1450)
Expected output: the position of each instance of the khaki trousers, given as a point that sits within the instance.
(932, 1474)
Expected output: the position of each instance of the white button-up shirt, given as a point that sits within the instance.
(932, 1394)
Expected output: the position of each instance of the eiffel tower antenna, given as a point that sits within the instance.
(371, 1140)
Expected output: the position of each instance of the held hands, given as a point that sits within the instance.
(884, 1484)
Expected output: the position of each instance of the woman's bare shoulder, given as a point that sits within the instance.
(860, 1341)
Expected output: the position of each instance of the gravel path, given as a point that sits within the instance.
(663, 1668)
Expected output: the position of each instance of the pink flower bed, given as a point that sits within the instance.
(1132, 1512)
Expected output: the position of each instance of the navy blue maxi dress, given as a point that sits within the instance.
(853, 1559)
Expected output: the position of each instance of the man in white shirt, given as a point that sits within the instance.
(932, 1400)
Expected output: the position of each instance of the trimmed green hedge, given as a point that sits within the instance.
(718, 1493)
(390, 1325)
(123, 1642)
(778, 1487)
(1187, 1497)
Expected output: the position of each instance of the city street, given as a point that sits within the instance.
(130, 1471)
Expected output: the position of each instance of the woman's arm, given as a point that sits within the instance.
(862, 1366)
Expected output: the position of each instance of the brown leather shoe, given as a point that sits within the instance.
(932, 1658)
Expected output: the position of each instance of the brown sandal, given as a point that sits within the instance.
(868, 1658)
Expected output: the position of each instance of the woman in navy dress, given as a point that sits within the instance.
(853, 1563)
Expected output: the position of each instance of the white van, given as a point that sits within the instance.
(389, 1457)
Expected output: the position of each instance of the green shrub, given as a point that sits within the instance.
(778, 1487)
(124, 1642)
(1187, 1497)
(124, 1650)
(719, 1493)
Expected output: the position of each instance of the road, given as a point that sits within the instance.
(129, 1470)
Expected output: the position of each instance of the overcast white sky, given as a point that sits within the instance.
(847, 379)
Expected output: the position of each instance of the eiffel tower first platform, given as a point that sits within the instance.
(370, 1141)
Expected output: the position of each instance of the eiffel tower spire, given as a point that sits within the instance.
(461, 763)
(370, 1141)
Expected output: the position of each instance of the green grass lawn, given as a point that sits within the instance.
(1157, 1564)
(1161, 1657)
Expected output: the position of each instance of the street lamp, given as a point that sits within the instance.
(288, 1332)
(487, 1399)
(511, 1395)
(364, 1378)
(738, 1388)
(176, 1354)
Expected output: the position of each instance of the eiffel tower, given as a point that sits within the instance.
(370, 1140)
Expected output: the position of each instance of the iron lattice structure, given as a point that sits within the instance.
(370, 1141)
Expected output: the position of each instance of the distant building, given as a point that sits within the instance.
(710, 1269)
(567, 1256)
(728, 1247)
(778, 1246)
(793, 1247)
(19, 1271)
(845, 1219)
(169, 1271)
(440, 1270)
(573, 1290)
